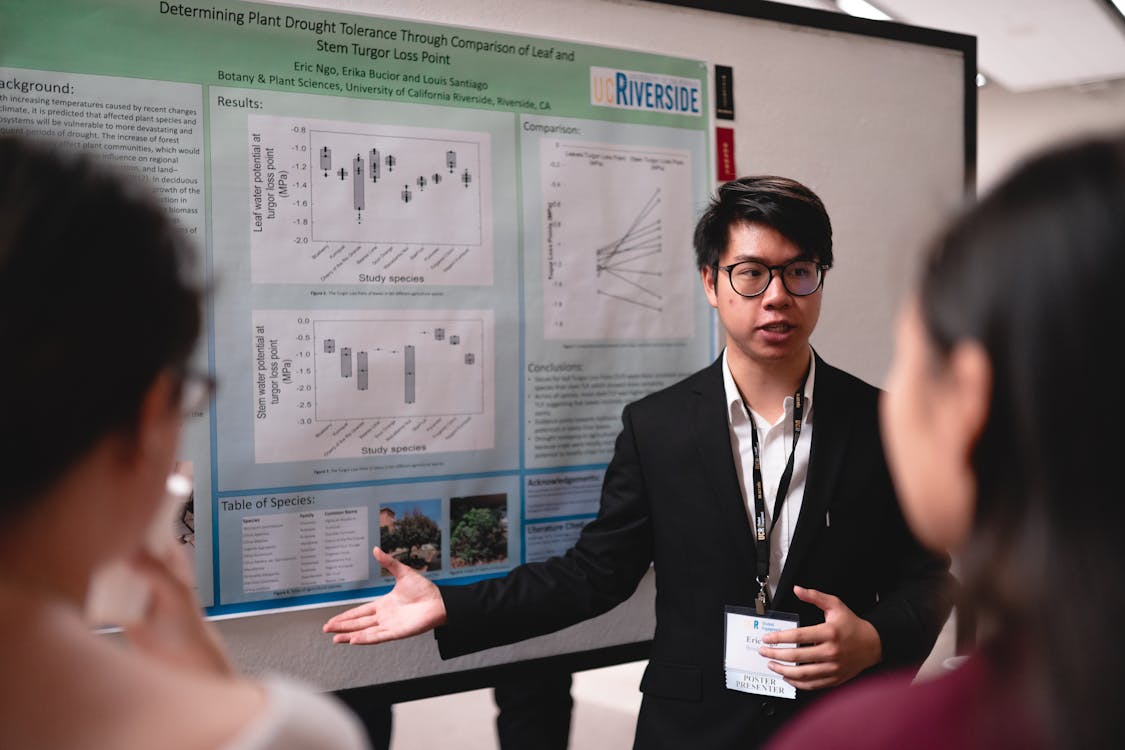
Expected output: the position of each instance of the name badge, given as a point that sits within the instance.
(745, 668)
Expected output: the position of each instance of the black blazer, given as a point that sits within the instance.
(671, 497)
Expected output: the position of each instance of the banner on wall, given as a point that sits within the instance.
(442, 260)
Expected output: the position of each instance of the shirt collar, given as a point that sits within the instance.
(734, 398)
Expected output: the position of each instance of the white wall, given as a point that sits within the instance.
(1012, 126)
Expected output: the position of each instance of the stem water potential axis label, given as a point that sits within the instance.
(355, 203)
(340, 384)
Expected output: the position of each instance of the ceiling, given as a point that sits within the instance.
(1024, 45)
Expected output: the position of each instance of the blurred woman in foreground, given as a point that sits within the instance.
(1002, 421)
(97, 322)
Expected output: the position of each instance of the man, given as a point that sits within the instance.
(823, 538)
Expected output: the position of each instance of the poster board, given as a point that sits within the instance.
(227, 106)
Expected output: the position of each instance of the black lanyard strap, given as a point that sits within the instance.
(762, 534)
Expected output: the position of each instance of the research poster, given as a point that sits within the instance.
(439, 262)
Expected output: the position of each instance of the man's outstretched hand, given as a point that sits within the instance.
(413, 606)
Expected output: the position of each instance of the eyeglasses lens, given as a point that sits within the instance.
(801, 277)
(750, 278)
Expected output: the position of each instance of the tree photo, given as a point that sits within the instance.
(410, 532)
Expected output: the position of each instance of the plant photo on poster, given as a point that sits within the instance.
(479, 530)
(410, 532)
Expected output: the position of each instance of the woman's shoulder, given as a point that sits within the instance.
(297, 717)
(66, 686)
(889, 711)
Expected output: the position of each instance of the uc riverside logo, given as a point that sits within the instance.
(649, 92)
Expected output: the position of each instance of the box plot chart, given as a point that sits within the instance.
(363, 203)
(616, 242)
(393, 189)
(398, 368)
(336, 384)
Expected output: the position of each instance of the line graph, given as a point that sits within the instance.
(616, 241)
(624, 258)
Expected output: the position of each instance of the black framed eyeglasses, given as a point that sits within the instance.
(749, 278)
(196, 389)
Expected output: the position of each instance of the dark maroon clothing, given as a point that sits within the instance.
(965, 709)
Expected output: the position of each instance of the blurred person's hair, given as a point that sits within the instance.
(1033, 273)
(96, 300)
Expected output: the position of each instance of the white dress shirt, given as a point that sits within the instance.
(774, 442)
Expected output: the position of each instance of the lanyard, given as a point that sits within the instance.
(762, 534)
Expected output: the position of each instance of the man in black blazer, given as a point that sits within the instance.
(680, 494)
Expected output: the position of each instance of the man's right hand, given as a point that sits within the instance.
(413, 606)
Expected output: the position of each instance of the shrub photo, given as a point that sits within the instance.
(479, 533)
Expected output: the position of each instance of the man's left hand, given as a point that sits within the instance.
(827, 654)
